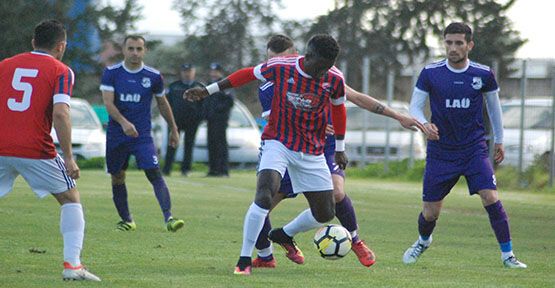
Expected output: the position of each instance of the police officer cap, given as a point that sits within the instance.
(187, 66)
(215, 66)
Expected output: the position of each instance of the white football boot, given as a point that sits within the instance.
(414, 251)
(78, 273)
(512, 262)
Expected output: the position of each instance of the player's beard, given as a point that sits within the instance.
(456, 59)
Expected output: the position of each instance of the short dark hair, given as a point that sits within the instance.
(48, 33)
(279, 43)
(134, 37)
(323, 46)
(459, 28)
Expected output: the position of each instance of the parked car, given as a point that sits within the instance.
(537, 129)
(402, 142)
(87, 136)
(243, 138)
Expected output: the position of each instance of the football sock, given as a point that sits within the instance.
(263, 242)
(303, 222)
(163, 195)
(265, 253)
(345, 212)
(119, 195)
(425, 228)
(354, 236)
(72, 227)
(254, 220)
(500, 224)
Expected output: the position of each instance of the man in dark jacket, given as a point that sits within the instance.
(218, 109)
(188, 116)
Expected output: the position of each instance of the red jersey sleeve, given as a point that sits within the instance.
(63, 87)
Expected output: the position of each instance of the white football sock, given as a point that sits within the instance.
(254, 221)
(425, 242)
(506, 255)
(72, 226)
(303, 222)
(266, 251)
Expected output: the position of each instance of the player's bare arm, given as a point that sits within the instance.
(373, 105)
(128, 127)
(62, 124)
(199, 93)
(166, 112)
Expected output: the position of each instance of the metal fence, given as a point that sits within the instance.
(527, 99)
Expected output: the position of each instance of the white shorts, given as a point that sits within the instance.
(45, 176)
(309, 173)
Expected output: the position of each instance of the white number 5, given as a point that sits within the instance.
(19, 85)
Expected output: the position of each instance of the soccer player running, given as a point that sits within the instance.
(281, 45)
(127, 90)
(35, 89)
(456, 87)
(295, 135)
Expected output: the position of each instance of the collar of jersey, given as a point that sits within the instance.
(462, 70)
(132, 71)
(298, 66)
(40, 52)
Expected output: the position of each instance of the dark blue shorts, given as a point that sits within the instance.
(287, 188)
(117, 158)
(441, 175)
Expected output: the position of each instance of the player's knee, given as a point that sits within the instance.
(263, 199)
(118, 178)
(153, 174)
(430, 216)
(488, 197)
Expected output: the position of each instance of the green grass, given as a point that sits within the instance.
(203, 254)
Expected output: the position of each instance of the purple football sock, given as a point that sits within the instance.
(163, 195)
(425, 228)
(345, 212)
(263, 242)
(499, 222)
(119, 195)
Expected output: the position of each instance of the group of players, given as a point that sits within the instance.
(302, 148)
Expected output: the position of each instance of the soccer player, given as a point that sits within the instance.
(281, 45)
(456, 87)
(127, 90)
(35, 89)
(295, 135)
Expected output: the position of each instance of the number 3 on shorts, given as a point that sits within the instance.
(19, 85)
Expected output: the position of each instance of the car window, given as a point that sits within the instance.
(535, 117)
(238, 119)
(82, 117)
(355, 118)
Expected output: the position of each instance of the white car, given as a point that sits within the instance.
(243, 138)
(537, 129)
(87, 136)
(403, 143)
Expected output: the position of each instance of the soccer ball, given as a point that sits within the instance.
(333, 242)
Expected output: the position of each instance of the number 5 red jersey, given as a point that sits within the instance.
(30, 84)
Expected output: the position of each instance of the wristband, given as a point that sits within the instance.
(339, 145)
(213, 88)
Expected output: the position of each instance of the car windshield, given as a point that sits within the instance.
(535, 117)
(82, 117)
(238, 119)
(355, 118)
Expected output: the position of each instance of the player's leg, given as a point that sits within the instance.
(117, 159)
(310, 176)
(345, 213)
(49, 176)
(481, 179)
(272, 165)
(190, 131)
(265, 257)
(439, 177)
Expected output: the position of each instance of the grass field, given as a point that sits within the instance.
(203, 254)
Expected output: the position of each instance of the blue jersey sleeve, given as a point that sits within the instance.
(265, 71)
(158, 86)
(265, 95)
(490, 84)
(107, 82)
(423, 82)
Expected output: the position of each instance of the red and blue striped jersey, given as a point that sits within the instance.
(301, 104)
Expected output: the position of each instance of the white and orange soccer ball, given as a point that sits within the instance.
(333, 242)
